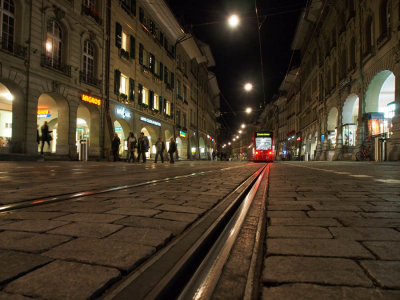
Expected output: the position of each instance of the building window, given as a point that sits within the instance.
(7, 19)
(184, 93)
(88, 60)
(184, 119)
(53, 43)
(145, 96)
(178, 117)
(384, 17)
(124, 41)
(352, 53)
(156, 104)
(178, 89)
(168, 108)
(369, 30)
(123, 88)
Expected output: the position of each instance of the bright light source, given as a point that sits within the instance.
(229, 143)
(233, 21)
(237, 137)
(49, 46)
(233, 140)
(240, 131)
(248, 87)
(248, 110)
(243, 126)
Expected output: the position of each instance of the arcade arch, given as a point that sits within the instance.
(350, 120)
(332, 127)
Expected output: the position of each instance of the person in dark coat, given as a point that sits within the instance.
(172, 149)
(46, 137)
(160, 146)
(131, 142)
(115, 146)
(143, 146)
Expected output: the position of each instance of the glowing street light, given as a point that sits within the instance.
(243, 126)
(233, 140)
(248, 87)
(237, 137)
(240, 131)
(233, 21)
(229, 143)
(248, 110)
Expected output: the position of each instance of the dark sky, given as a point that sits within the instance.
(236, 51)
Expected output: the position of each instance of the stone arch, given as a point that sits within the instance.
(192, 147)
(91, 115)
(332, 127)
(122, 128)
(374, 99)
(152, 136)
(57, 109)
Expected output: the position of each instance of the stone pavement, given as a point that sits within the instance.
(333, 231)
(77, 249)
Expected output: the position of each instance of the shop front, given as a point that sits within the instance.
(152, 130)
(6, 99)
(122, 125)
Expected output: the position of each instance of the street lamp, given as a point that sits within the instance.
(229, 143)
(240, 131)
(248, 87)
(233, 21)
(243, 126)
(234, 140)
(248, 110)
(237, 137)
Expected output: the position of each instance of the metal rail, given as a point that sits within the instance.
(189, 267)
(75, 195)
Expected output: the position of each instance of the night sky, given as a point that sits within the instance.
(236, 51)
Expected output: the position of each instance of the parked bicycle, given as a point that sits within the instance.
(364, 153)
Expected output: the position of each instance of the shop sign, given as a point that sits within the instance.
(91, 99)
(43, 113)
(122, 112)
(263, 134)
(118, 128)
(299, 139)
(144, 119)
(182, 133)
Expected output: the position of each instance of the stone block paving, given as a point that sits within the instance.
(77, 249)
(331, 233)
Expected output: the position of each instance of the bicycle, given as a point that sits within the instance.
(364, 153)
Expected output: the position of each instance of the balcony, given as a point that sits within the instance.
(88, 79)
(89, 10)
(12, 48)
(53, 64)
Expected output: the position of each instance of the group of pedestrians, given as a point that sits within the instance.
(142, 145)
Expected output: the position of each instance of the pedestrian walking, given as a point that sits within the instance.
(115, 146)
(172, 150)
(131, 143)
(46, 137)
(160, 147)
(143, 147)
(37, 135)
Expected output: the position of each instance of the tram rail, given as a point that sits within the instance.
(75, 195)
(189, 266)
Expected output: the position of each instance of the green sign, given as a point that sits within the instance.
(263, 133)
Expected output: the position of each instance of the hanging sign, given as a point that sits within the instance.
(91, 99)
(43, 113)
(182, 133)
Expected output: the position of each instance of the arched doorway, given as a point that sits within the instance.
(122, 129)
(88, 128)
(179, 146)
(350, 120)
(6, 116)
(152, 136)
(332, 128)
(380, 104)
(202, 148)
(53, 110)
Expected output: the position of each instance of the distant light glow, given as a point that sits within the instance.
(7, 95)
(243, 126)
(240, 131)
(248, 110)
(248, 87)
(233, 21)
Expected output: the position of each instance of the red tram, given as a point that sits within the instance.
(262, 148)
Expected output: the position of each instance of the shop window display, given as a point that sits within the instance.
(349, 134)
(332, 139)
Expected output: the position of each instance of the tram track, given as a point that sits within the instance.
(75, 195)
(189, 266)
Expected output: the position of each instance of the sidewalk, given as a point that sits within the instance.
(333, 231)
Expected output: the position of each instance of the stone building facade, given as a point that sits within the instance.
(90, 68)
(345, 94)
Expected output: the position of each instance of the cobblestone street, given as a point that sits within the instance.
(333, 231)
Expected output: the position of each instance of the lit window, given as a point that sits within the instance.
(155, 102)
(88, 60)
(168, 108)
(123, 85)
(124, 41)
(53, 43)
(145, 98)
